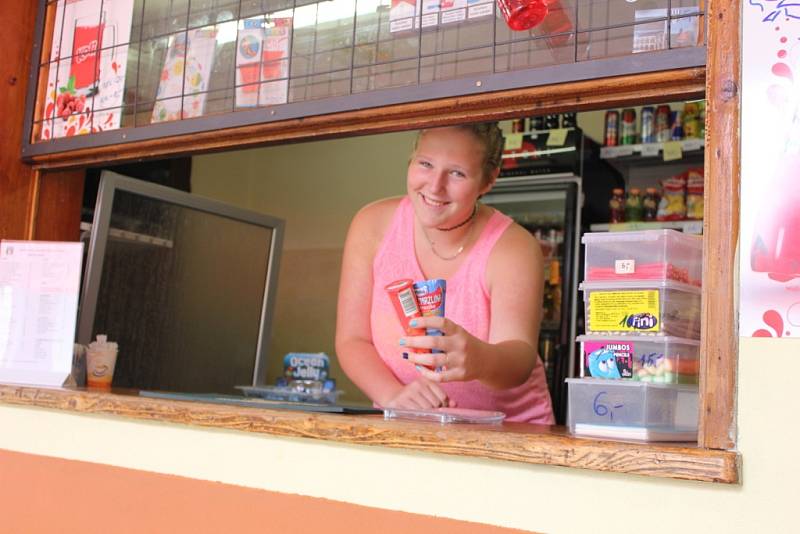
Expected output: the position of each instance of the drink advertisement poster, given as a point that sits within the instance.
(262, 62)
(86, 76)
(183, 88)
(769, 270)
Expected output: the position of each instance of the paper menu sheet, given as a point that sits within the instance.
(39, 285)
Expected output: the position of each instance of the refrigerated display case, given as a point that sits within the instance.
(555, 190)
(549, 208)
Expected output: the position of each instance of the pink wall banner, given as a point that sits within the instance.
(770, 203)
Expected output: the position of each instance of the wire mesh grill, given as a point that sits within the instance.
(112, 64)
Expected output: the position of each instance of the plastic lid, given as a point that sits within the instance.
(631, 384)
(447, 415)
(625, 285)
(102, 344)
(642, 235)
(628, 338)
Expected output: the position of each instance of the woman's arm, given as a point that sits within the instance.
(515, 281)
(354, 348)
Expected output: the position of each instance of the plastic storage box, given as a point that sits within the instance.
(656, 359)
(648, 307)
(659, 255)
(623, 409)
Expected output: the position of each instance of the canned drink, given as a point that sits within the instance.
(406, 306)
(518, 126)
(662, 124)
(628, 130)
(648, 125)
(430, 295)
(676, 132)
(691, 126)
(536, 123)
(551, 121)
(611, 128)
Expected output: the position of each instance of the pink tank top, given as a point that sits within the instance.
(466, 303)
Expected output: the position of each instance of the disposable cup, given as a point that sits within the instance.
(100, 364)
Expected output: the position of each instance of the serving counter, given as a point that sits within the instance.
(517, 442)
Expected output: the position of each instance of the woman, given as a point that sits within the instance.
(494, 274)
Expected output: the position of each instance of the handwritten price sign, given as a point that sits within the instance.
(602, 409)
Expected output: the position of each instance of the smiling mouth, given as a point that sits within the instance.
(433, 203)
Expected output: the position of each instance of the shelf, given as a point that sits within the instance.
(687, 227)
(650, 150)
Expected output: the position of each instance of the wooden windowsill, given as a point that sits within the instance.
(516, 442)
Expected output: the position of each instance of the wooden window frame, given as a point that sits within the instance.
(58, 183)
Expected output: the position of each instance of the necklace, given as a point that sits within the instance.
(462, 223)
(461, 248)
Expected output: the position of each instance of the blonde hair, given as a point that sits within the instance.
(490, 136)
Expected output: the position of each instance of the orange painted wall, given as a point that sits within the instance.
(40, 494)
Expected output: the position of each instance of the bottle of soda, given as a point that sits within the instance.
(611, 129)
(650, 204)
(617, 206)
(536, 123)
(628, 129)
(551, 121)
(634, 210)
(555, 290)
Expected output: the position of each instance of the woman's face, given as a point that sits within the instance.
(445, 176)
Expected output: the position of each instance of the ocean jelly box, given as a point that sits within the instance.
(642, 307)
(625, 409)
(643, 255)
(655, 359)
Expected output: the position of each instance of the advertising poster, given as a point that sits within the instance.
(86, 76)
(187, 68)
(652, 36)
(262, 54)
(769, 269)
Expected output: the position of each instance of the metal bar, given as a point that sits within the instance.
(185, 55)
(291, 53)
(97, 58)
(353, 45)
(138, 66)
(587, 70)
(35, 73)
(669, 25)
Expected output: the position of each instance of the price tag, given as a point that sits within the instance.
(672, 150)
(513, 141)
(650, 149)
(557, 137)
(625, 150)
(625, 266)
(693, 144)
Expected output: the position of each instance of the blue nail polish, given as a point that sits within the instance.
(402, 342)
(413, 322)
(405, 355)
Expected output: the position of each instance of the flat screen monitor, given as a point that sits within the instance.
(185, 285)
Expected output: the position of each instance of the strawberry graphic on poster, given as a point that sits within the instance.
(85, 80)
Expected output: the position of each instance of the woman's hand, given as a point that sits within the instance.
(459, 359)
(421, 394)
